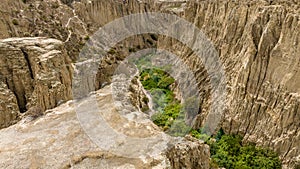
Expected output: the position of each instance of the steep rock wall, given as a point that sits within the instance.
(36, 72)
(258, 43)
(189, 154)
(9, 109)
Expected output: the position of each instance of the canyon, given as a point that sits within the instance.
(40, 44)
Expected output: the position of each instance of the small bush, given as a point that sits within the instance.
(145, 109)
(178, 128)
(199, 135)
(160, 119)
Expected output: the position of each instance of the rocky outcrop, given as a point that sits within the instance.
(138, 97)
(58, 140)
(49, 18)
(9, 109)
(258, 43)
(191, 153)
(34, 72)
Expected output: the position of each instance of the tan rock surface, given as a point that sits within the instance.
(9, 109)
(258, 43)
(37, 71)
(57, 140)
(189, 154)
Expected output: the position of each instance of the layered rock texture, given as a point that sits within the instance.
(9, 107)
(189, 154)
(258, 44)
(35, 72)
(257, 41)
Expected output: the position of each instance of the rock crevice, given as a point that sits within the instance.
(37, 71)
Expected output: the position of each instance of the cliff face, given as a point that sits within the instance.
(9, 107)
(35, 72)
(258, 44)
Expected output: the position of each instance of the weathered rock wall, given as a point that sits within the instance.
(34, 72)
(191, 153)
(9, 109)
(258, 43)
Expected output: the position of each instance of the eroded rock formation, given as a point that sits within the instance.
(9, 109)
(189, 154)
(34, 72)
(258, 44)
(58, 140)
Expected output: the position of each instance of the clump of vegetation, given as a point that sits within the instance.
(229, 152)
(226, 150)
(199, 134)
(169, 115)
(158, 83)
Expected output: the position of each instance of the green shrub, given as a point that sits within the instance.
(168, 108)
(156, 79)
(226, 150)
(229, 152)
(160, 119)
(219, 134)
(144, 109)
(145, 99)
(157, 82)
(199, 135)
(165, 82)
